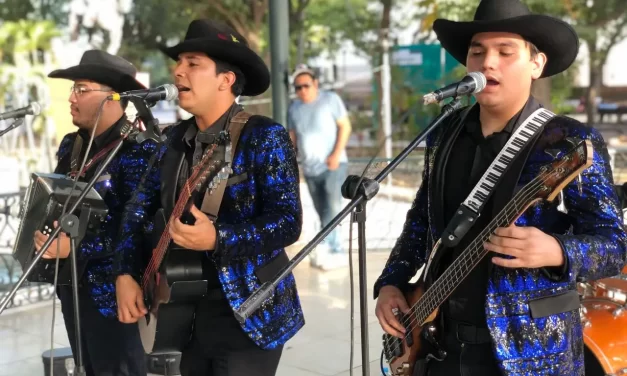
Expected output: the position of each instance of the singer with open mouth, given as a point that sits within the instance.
(517, 310)
(111, 253)
(230, 195)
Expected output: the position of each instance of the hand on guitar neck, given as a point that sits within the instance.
(201, 236)
(527, 247)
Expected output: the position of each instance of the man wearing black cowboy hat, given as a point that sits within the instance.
(517, 312)
(258, 214)
(111, 253)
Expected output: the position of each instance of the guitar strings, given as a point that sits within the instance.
(457, 266)
(416, 310)
(164, 240)
(428, 296)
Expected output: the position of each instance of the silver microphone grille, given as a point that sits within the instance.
(480, 81)
(35, 108)
(171, 92)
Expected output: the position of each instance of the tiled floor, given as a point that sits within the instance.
(322, 347)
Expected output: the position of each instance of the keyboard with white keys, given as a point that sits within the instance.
(482, 191)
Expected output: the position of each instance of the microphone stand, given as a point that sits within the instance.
(152, 131)
(359, 190)
(11, 127)
(69, 223)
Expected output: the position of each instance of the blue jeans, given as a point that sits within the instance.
(326, 192)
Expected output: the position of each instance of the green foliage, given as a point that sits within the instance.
(15, 10)
(602, 24)
(326, 24)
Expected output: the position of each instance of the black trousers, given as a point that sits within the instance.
(469, 352)
(110, 348)
(219, 346)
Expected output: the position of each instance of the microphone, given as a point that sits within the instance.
(33, 109)
(166, 92)
(473, 83)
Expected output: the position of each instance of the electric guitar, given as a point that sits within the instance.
(421, 339)
(173, 281)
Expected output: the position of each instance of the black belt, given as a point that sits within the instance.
(467, 333)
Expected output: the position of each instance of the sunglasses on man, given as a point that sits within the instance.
(304, 86)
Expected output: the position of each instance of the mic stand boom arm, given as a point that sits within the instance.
(359, 190)
(11, 127)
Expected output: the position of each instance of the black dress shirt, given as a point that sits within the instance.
(471, 155)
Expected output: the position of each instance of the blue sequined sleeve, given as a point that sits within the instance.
(139, 209)
(409, 252)
(65, 147)
(279, 221)
(598, 243)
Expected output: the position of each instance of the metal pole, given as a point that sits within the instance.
(279, 52)
(386, 102)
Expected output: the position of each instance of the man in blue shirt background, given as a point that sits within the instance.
(319, 128)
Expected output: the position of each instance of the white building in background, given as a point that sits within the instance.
(614, 72)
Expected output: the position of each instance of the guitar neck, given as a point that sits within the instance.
(197, 176)
(158, 253)
(444, 286)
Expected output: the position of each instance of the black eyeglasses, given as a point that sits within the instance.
(299, 87)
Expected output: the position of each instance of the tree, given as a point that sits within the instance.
(600, 24)
(318, 27)
(50, 10)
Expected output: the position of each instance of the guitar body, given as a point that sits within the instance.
(171, 298)
(409, 356)
(421, 342)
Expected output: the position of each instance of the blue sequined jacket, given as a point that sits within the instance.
(260, 215)
(591, 235)
(119, 245)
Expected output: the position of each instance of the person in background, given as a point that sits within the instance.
(319, 128)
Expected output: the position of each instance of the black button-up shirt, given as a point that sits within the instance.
(471, 155)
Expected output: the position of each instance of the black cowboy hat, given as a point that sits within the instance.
(221, 42)
(103, 68)
(554, 37)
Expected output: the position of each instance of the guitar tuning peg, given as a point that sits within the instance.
(562, 205)
(579, 185)
(553, 152)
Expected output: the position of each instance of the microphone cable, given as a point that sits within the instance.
(77, 246)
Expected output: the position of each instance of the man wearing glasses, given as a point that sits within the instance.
(112, 253)
(319, 128)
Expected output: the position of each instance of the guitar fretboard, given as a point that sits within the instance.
(159, 252)
(471, 256)
(480, 194)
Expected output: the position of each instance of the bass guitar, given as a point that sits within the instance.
(173, 280)
(421, 339)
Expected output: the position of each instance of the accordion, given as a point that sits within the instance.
(42, 205)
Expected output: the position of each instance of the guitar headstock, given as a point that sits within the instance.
(555, 176)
